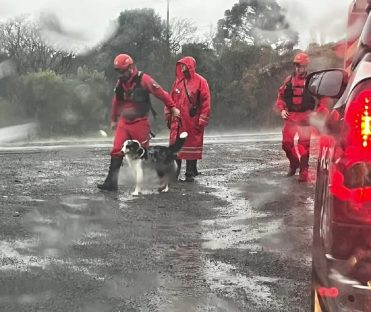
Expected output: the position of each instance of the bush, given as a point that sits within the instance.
(10, 114)
(73, 105)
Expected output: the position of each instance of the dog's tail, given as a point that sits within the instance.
(177, 146)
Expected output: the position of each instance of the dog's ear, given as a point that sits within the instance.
(124, 146)
(129, 145)
(136, 145)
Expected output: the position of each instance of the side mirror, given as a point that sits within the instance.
(329, 82)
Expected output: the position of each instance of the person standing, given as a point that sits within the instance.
(295, 105)
(130, 108)
(191, 95)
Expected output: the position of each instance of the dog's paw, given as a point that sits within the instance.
(135, 193)
(163, 189)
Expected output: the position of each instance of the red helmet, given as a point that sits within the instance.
(301, 58)
(122, 61)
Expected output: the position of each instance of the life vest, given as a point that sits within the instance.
(137, 95)
(306, 103)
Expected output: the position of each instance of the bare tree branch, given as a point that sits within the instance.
(182, 31)
(21, 41)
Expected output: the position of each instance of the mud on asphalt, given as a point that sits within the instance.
(238, 239)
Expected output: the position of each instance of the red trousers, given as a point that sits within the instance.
(290, 129)
(137, 130)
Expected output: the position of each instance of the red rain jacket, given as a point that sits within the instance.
(199, 94)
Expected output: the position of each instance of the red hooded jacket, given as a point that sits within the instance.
(199, 96)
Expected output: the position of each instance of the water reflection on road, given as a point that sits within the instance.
(237, 240)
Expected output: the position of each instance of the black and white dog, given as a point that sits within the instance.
(158, 158)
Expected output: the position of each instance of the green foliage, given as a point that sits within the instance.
(244, 70)
(140, 33)
(65, 105)
(235, 59)
(206, 59)
(10, 114)
(256, 22)
(323, 57)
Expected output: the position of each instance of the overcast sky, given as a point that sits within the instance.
(92, 18)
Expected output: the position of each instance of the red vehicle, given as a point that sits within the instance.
(341, 256)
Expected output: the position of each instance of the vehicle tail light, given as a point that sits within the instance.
(350, 178)
(332, 292)
(358, 126)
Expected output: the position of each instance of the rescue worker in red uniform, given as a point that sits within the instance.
(191, 95)
(130, 107)
(295, 105)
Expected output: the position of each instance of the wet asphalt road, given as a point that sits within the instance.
(238, 239)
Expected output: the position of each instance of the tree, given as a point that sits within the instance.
(237, 58)
(182, 31)
(256, 22)
(140, 33)
(74, 105)
(21, 41)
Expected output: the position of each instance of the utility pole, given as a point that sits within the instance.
(168, 26)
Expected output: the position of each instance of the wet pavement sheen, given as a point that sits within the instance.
(238, 239)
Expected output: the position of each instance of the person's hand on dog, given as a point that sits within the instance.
(175, 112)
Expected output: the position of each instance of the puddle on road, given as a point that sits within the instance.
(27, 299)
(56, 225)
(18, 256)
(130, 285)
(232, 228)
(35, 264)
(224, 278)
(237, 226)
(26, 198)
(240, 225)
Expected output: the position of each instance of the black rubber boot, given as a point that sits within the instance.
(291, 172)
(304, 165)
(191, 169)
(111, 182)
(294, 165)
(292, 157)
